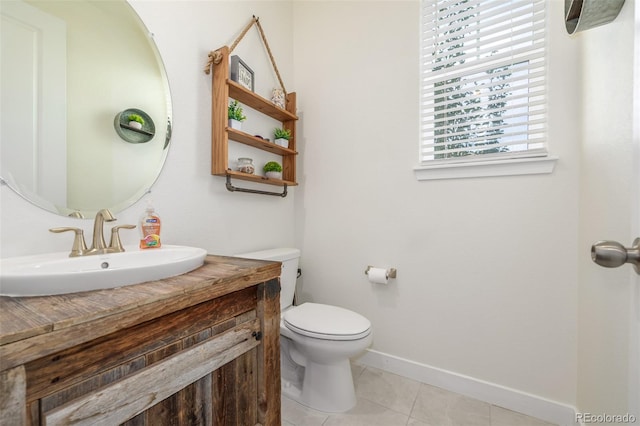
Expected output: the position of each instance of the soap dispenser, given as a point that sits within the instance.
(150, 228)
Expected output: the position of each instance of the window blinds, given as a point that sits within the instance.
(482, 80)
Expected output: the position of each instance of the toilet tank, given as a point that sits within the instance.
(289, 258)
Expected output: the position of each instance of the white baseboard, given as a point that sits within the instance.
(511, 399)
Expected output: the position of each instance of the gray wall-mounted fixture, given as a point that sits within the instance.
(132, 134)
(580, 15)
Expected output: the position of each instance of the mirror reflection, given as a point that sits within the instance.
(69, 71)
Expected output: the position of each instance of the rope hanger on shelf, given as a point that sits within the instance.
(215, 56)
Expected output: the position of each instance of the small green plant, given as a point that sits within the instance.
(136, 118)
(272, 166)
(282, 133)
(235, 112)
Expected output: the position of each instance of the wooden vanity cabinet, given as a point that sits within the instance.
(214, 362)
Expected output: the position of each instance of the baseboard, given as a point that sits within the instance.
(511, 399)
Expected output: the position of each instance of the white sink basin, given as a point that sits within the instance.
(57, 273)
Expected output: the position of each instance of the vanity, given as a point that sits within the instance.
(200, 348)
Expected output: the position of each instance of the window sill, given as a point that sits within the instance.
(512, 167)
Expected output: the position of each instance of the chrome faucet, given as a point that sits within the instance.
(98, 246)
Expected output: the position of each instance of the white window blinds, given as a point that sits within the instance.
(482, 80)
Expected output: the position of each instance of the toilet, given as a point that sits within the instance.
(316, 342)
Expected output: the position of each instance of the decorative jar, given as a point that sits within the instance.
(245, 165)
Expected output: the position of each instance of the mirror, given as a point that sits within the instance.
(70, 70)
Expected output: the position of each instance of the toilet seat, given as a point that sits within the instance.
(326, 322)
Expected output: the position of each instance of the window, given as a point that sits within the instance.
(482, 82)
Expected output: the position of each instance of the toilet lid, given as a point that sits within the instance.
(326, 322)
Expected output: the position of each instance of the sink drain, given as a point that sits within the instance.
(104, 265)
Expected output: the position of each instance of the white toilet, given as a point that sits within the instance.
(316, 342)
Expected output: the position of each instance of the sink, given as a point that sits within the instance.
(57, 273)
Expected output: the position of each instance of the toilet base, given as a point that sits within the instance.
(327, 388)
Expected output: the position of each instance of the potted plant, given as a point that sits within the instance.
(136, 121)
(235, 115)
(282, 137)
(273, 170)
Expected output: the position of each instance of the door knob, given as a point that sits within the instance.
(612, 254)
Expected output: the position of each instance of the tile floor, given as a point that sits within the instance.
(387, 399)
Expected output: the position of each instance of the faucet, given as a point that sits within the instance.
(98, 245)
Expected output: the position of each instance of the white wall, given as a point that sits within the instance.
(487, 267)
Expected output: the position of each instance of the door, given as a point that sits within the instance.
(634, 345)
(634, 351)
(608, 358)
(33, 123)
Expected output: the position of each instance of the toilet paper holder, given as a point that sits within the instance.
(391, 273)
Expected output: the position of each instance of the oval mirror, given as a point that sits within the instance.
(72, 74)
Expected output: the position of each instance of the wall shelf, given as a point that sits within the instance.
(256, 142)
(131, 134)
(133, 129)
(257, 178)
(257, 102)
(224, 89)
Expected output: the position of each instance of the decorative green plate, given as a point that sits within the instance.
(131, 134)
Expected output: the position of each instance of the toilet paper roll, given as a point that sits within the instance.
(378, 276)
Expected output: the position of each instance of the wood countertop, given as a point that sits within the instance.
(33, 327)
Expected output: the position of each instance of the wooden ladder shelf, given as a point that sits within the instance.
(223, 89)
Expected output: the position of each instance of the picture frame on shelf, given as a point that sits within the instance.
(241, 73)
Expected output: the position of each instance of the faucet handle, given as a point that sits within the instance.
(115, 245)
(79, 246)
